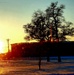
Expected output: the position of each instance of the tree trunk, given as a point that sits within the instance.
(40, 50)
(59, 59)
(39, 63)
(57, 39)
(48, 59)
(48, 56)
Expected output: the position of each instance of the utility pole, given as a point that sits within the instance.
(8, 44)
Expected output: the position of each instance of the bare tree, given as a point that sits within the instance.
(50, 24)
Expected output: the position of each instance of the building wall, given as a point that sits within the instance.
(42, 49)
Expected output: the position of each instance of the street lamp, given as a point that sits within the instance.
(8, 44)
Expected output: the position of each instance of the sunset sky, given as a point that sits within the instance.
(16, 13)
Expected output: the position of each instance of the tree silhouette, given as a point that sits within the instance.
(54, 17)
(49, 25)
(51, 20)
(37, 29)
(60, 27)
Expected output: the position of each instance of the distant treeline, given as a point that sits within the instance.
(42, 49)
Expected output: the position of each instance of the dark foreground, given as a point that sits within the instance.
(30, 67)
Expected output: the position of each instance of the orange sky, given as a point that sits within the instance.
(15, 13)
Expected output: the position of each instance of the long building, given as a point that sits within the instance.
(43, 49)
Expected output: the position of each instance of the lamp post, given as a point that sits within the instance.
(8, 44)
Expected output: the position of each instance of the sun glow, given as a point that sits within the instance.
(2, 47)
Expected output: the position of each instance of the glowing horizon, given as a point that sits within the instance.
(16, 13)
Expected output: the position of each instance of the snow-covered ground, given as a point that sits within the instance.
(30, 67)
